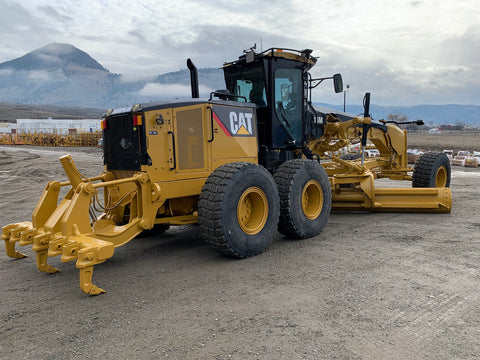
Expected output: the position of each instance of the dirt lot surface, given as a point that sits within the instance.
(453, 140)
(371, 286)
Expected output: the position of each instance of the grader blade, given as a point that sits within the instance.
(358, 192)
(434, 200)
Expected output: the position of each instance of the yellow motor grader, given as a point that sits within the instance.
(249, 160)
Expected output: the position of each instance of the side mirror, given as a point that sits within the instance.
(338, 83)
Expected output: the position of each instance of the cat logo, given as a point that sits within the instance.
(235, 121)
(241, 123)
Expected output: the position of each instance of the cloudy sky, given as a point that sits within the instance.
(404, 52)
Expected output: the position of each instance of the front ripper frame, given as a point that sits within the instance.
(65, 228)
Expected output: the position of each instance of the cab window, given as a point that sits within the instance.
(249, 83)
(288, 101)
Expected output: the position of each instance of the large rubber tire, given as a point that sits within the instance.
(305, 198)
(432, 169)
(238, 209)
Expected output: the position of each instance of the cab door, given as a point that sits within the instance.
(288, 107)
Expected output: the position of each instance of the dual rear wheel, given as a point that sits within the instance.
(241, 205)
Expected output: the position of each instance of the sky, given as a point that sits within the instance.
(404, 52)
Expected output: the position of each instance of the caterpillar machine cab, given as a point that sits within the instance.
(251, 159)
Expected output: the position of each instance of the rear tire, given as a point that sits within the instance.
(305, 198)
(432, 169)
(238, 209)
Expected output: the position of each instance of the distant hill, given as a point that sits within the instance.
(63, 75)
(210, 77)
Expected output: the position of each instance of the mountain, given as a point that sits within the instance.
(63, 75)
(57, 74)
(53, 57)
(209, 77)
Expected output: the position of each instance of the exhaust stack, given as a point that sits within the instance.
(193, 79)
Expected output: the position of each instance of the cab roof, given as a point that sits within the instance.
(283, 53)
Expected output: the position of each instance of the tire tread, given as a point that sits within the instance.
(284, 177)
(426, 166)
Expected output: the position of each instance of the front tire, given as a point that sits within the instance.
(305, 198)
(432, 169)
(238, 209)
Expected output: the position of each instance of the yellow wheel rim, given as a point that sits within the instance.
(312, 199)
(441, 178)
(252, 210)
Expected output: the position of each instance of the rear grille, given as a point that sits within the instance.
(124, 144)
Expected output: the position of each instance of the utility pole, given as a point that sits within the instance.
(345, 97)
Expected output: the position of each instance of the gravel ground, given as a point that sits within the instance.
(371, 286)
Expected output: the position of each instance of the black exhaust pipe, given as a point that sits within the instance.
(366, 105)
(193, 79)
